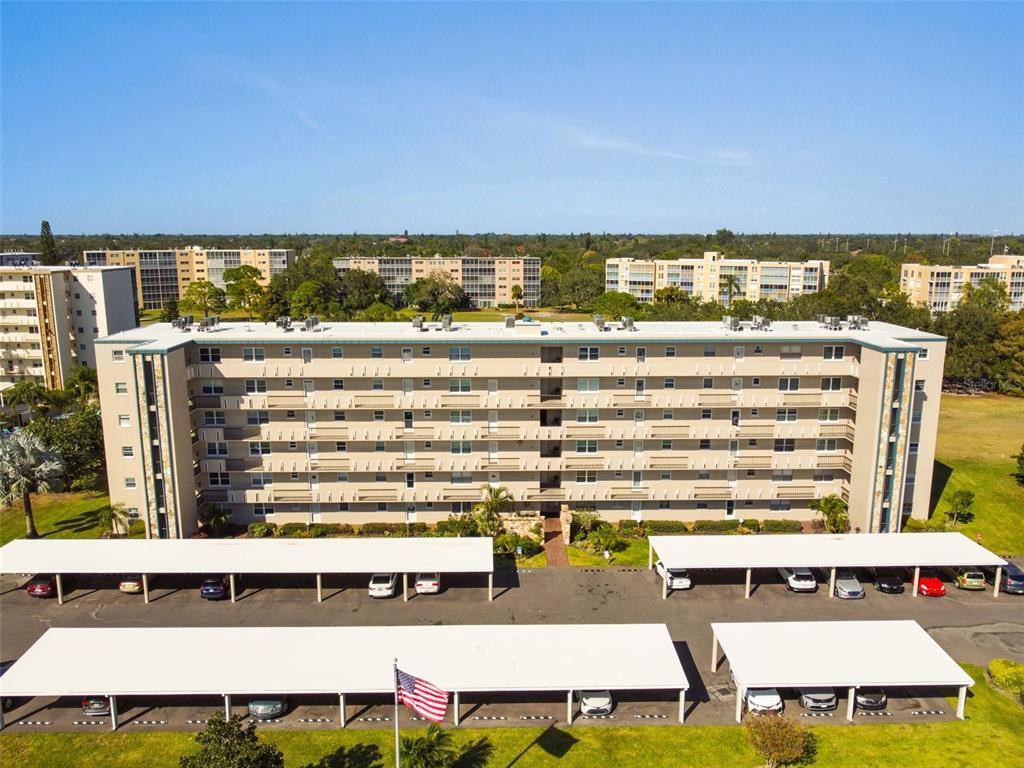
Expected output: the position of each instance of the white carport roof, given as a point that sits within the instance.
(158, 661)
(329, 555)
(854, 550)
(811, 654)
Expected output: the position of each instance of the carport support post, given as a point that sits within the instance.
(739, 704)
(961, 702)
(456, 711)
(850, 701)
(231, 581)
(60, 591)
(999, 577)
(650, 555)
(746, 592)
(319, 587)
(145, 588)
(490, 586)
(341, 709)
(113, 713)
(917, 579)
(227, 706)
(714, 652)
(682, 705)
(405, 587)
(568, 708)
(832, 583)
(664, 583)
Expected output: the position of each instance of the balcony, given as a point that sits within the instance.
(833, 461)
(291, 492)
(288, 402)
(546, 494)
(755, 430)
(852, 399)
(583, 462)
(414, 433)
(669, 462)
(327, 433)
(795, 492)
(553, 400)
(712, 492)
(630, 492)
(631, 398)
(376, 494)
(460, 400)
(580, 430)
(500, 433)
(705, 399)
(206, 401)
(670, 430)
(329, 464)
(373, 401)
(412, 463)
(753, 461)
(461, 493)
(801, 398)
(836, 430)
(495, 464)
(214, 495)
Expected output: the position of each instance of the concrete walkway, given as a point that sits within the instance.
(554, 546)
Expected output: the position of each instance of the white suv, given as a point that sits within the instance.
(799, 579)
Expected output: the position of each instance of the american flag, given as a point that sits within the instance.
(423, 697)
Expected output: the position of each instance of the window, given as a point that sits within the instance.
(779, 506)
(377, 353)
(709, 350)
(343, 506)
(425, 351)
(789, 384)
(641, 354)
(261, 479)
(620, 443)
(337, 352)
(825, 444)
(129, 482)
(120, 388)
(913, 448)
(922, 355)
(705, 414)
(785, 414)
(670, 351)
(790, 353)
(380, 477)
(406, 354)
(339, 383)
(588, 385)
(259, 449)
(915, 417)
(828, 414)
(377, 385)
(255, 386)
(462, 447)
(705, 445)
(462, 478)
(589, 353)
(343, 478)
(668, 415)
(378, 415)
(216, 449)
(919, 385)
(831, 383)
(638, 415)
(460, 417)
(834, 352)
(289, 414)
(127, 451)
(708, 383)
(426, 383)
(665, 475)
(620, 413)
(214, 418)
(118, 355)
(286, 352)
(458, 354)
(209, 354)
(254, 354)
(292, 445)
(339, 415)
(824, 477)
(458, 385)
(257, 417)
(785, 445)
(666, 445)
(756, 381)
(669, 383)
(213, 387)
(341, 446)
(289, 383)
(220, 478)
(262, 510)
(758, 349)
(586, 446)
(782, 475)
(738, 353)
(586, 416)
(620, 382)
(588, 477)
(703, 474)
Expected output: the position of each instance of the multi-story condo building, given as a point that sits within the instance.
(487, 281)
(705, 278)
(357, 422)
(19, 258)
(940, 288)
(165, 274)
(50, 318)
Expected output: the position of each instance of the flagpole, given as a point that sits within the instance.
(394, 677)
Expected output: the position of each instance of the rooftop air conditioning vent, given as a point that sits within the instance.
(599, 322)
(510, 321)
(417, 323)
(627, 323)
(284, 322)
(446, 323)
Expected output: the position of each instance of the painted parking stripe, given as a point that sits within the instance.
(195, 722)
(268, 720)
(927, 712)
(489, 717)
(314, 720)
(149, 722)
(817, 714)
(373, 719)
(89, 722)
(536, 717)
(650, 717)
(875, 714)
(599, 717)
(35, 722)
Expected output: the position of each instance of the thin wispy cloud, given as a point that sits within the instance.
(590, 139)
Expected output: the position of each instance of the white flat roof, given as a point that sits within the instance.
(810, 654)
(853, 550)
(155, 661)
(330, 555)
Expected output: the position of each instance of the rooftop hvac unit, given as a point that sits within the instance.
(599, 322)
(284, 322)
(446, 323)
(726, 321)
(311, 323)
(417, 322)
(510, 321)
(627, 323)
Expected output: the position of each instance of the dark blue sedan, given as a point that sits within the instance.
(214, 588)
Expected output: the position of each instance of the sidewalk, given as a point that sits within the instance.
(554, 546)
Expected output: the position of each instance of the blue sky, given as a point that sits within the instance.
(239, 117)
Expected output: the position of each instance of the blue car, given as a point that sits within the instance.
(1012, 582)
(214, 588)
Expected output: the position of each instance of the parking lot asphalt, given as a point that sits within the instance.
(972, 627)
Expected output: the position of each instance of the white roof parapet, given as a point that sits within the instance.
(120, 661)
(813, 654)
(328, 555)
(852, 550)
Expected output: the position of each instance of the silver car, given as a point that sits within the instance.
(267, 709)
(847, 585)
(595, 702)
(678, 578)
(818, 699)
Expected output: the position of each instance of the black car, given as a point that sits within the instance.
(888, 580)
(1012, 582)
(871, 699)
(214, 588)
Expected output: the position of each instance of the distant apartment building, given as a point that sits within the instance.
(165, 274)
(19, 258)
(50, 318)
(408, 422)
(940, 288)
(705, 278)
(487, 281)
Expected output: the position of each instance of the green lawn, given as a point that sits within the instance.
(635, 553)
(57, 515)
(991, 737)
(977, 439)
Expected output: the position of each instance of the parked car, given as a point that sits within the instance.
(967, 578)
(132, 585)
(42, 585)
(818, 699)
(869, 698)
(383, 584)
(678, 578)
(929, 583)
(428, 583)
(888, 580)
(214, 588)
(1012, 580)
(847, 585)
(799, 579)
(764, 700)
(95, 706)
(267, 709)
(595, 702)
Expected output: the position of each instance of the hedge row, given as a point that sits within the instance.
(634, 529)
(321, 530)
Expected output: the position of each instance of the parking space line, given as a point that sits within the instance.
(650, 717)
(875, 714)
(373, 719)
(89, 722)
(489, 717)
(35, 722)
(149, 722)
(927, 712)
(195, 722)
(536, 717)
(598, 717)
(817, 714)
(315, 720)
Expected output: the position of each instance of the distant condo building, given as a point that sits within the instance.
(19, 258)
(705, 278)
(163, 274)
(50, 318)
(940, 287)
(488, 281)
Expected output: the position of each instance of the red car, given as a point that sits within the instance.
(42, 586)
(929, 585)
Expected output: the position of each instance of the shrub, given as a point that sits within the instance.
(293, 530)
(604, 538)
(665, 526)
(778, 740)
(318, 531)
(458, 525)
(374, 529)
(937, 523)
(584, 520)
(1007, 675)
(716, 526)
(344, 529)
(510, 541)
(537, 529)
(261, 530)
(781, 526)
(631, 529)
(136, 529)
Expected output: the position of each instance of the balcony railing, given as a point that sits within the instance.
(545, 494)
(373, 401)
(801, 398)
(583, 462)
(669, 462)
(670, 430)
(630, 492)
(631, 398)
(460, 400)
(494, 463)
(706, 399)
(581, 430)
(461, 493)
(289, 402)
(712, 492)
(414, 433)
(327, 433)
(500, 433)
(753, 461)
(291, 493)
(755, 430)
(329, 464)
(795, 492)
(376, 494)
(413, 463)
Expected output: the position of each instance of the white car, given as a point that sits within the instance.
(763, 700)
(847, 585)
(428, 583)
(595, 702)
(799, 579)
(383, 584)
(678, 578)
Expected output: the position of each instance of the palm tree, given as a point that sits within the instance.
(214, 518)
(31, 393)
(517, 294)
(833, 511)
(114, 518)
(496, 502)
(434, 749)
(27, 466)
(732, 286)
